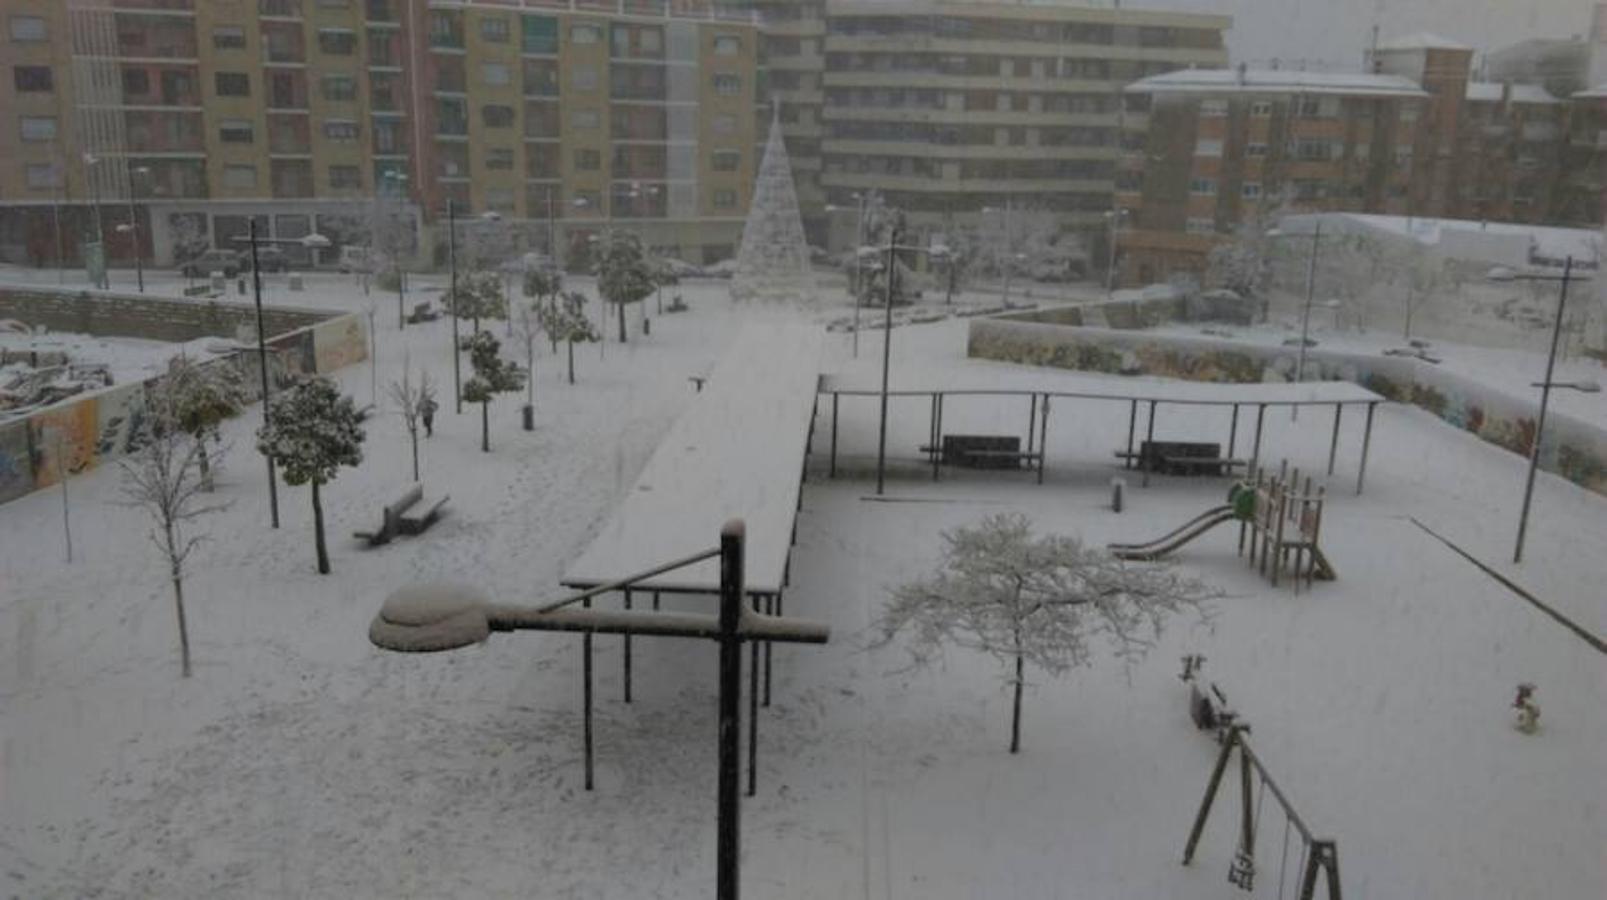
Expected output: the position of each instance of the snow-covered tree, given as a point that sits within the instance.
(410, 398)
(1037, 601)
(163, 475)
(188, 231)
(312, 431)
(1243, 265)
(1424, 278)
(624, 273)
(493, 375)
(565, 320)
(204, 395)
(527, 329)
(479, 295)
(544, 284)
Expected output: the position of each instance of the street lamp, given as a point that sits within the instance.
(131, 228)
(1305, 317)
(1010, 254)
(1115, 217)
(859, 251)
(887, 342)
(1503, 274)
(90, 160)
(309, 241)
(398, 191)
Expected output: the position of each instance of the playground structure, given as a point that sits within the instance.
(1281, 516)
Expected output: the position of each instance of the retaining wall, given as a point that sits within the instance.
(1574, 448)
(142, 316)
(92, 428)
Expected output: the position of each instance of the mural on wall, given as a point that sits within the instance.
(16, 463)
(338, 343)
(119, 411)
(64, 440)
(1573, 449)
(294, 352)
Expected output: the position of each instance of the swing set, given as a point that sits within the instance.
(1319, 857)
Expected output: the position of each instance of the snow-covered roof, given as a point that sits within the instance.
(1276, 81)
(1545, 241)
(1423, 40)
(1490, 92)
(1596, 93)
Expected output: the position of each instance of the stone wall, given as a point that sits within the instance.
(1574, 448)
(140, 316)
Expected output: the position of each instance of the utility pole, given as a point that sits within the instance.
(452, 254)
(262, 360)
(887, 354)
(1305, 318)
(1540, 423)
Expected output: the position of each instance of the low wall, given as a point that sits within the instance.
(1574, 448)
(142, 316)
(93, 428)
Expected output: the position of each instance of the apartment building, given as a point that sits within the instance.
(792, 61)
(210, 112)
(1210, 150)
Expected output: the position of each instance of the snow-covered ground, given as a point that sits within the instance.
(301, 761)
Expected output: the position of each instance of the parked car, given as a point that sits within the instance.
(272, 259)
(225, 261)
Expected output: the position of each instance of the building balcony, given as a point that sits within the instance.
(929, 150)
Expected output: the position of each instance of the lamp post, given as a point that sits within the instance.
(398, 192)
(1115, 218)
(859, 251)
(132, 228)
(452, 291)
(314, 240)
(887, 343)
(90, 160)
(1305, 317)
(1010, 254)
(1567, 276)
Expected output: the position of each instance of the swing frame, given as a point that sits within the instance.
(1322, 854)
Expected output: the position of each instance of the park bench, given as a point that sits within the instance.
(1183, 458)
(982, 451)
(409, 515)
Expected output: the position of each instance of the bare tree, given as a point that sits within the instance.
(1041, 600)
(410, 399)
(163, 476)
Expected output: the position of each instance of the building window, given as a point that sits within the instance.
(339, 87)
(724, 123)
(725, 160)
(540, 34)
(496, 74)
(26, 29)
(727, 84)
(584, 118)
(1403, 156)
(1207, 147)
(1251, 190)
(1408, 112)
(32, 79)
(727, 45)
(1203, 186)
(583, 78)
(236, 131)
(337, 41)
(240, 177)
(588, 160)
(43, 175)
(1213, 109)
(38, 128)
(1255, 151)
(228, 84)
(585, 34)
(229, 37)
(499, 158)
(725, 199)
(136, 83)
(343, 177)
(1261, 109)
(340, 130)
(497, 116)
(494, 29)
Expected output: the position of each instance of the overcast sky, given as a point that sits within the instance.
(1337, 31)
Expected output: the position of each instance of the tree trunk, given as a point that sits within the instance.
(552, 311)
(571, 362)
(206, 466)
(485, 426)
(1015, 716)
(413, 434)
(621, 322)
(318, 530)
(1408, 335)
(178, 603)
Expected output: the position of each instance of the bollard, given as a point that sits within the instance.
(529, 413)
(240, 285)
(1118, 487)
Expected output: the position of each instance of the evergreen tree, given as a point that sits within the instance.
(479, 296)
(492, 375)
(565, 320)
(312, 431)
(202, 396)
(624, 273)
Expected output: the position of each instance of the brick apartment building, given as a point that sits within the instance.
(1211, 152)
(294, 111)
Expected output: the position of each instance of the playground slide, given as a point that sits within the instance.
(1166, 544)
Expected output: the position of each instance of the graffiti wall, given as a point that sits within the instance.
(93, 428)
(1574, 448)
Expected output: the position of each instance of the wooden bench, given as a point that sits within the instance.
(409, 515)
(981, 451)
(1183, 458)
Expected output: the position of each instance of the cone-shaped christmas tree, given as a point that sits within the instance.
(773, 263)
